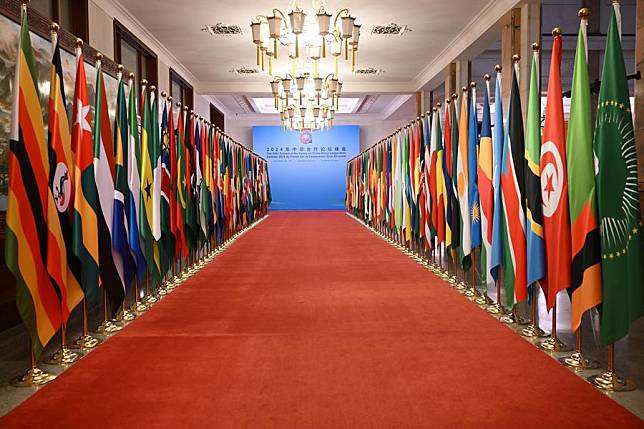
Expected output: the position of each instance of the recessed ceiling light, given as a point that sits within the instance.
(392, 29)
(244, 70)
(221, 29)
(369, 70)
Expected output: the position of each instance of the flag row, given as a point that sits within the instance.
(99, 206)
(555, 205)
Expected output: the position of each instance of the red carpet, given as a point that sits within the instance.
(310, 321)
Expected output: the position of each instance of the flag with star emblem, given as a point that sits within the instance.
(586, 284)
(28, 203)
(85, 231)
(147, 187)
(617, 196)
(554, 186)
(534, 219)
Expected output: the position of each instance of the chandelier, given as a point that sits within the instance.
(315, 42)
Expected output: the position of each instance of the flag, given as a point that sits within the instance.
(617, 196)
(586, 285)
(111, 282)
(146, 216)
(441, 192)
(536, 269)
(472, 182)
(134, 185)
(455, 222)
(513, 200)
(462, 186)
(180, 208)
(430, 179)
(496, 249)
(486, 190)
(28, 202)
(554, 186)
(123, 258)
(447, 169)
(167, 237)
(68, 268)
(85, 231)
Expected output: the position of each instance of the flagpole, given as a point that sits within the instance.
(85, 341)
(609, 380)
(577, 360)
(34, 376)
(533, 330)
(553, 344)
(106, 327)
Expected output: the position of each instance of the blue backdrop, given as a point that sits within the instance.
(307, 170)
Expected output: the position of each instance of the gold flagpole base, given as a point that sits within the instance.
(494, 308)
(578, 361)
(85, 342)
(508, 318)
(34, 377)
(126, 316)
(64, 357)
(610, 382)
(139, 307)
(481, 300)
(107, 327)
(470, 293)
(553, 344)
(532, 331)
(150, 300)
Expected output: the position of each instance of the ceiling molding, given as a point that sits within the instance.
(488, 17)
(116, 10)
(247, 119)
(395, 105)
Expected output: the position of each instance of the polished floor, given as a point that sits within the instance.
(309, 320)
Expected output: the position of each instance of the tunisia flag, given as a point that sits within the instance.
(554, 186)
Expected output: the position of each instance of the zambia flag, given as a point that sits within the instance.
(28, 202)
(617, 197)
(585, 288)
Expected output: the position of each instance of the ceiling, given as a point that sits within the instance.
(405, 60)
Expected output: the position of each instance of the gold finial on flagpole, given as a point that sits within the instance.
(99, 56)
(487, 77)
(170, 100)
(583, 13)
(130, 76)
(454, 96)
(473, 84)
(464, 88)
(516, 58)
(164, 94)
(153, 88)
(556, 32)
(120, 68)
(447, 100)
(438, 105)
(498, 68)
(54, 27)
(78, 42)
(535, 47)
(144, 82)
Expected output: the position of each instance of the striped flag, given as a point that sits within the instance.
(28, 203)
(455, 222)
(586, 283)
(85, 231)
(104, 205)
(134, 185)
(430, 178)
(534, 219)
(447, 169)
(68, 269)
(472, 181)
(167, 238)
(462, 186)
(180, 209)
(496, 250)
(554, 186)
(441, 193)
(513, 200)
(486, 190)
(123, 258)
